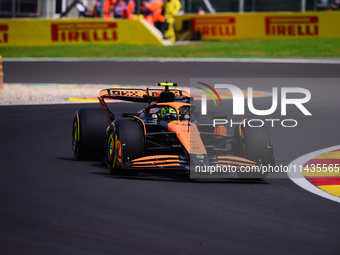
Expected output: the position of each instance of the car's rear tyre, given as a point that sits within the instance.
(254, 143)
(125, 142)
(89, 133)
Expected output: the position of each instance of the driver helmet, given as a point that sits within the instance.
(170, 112)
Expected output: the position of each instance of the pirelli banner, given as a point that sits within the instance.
(259, 26)
(38, 32)
(1, 76)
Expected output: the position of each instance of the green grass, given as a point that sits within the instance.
(274, 48)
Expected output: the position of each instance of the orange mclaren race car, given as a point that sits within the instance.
(165, 135)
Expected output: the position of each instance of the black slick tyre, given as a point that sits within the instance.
(89, 133)
(125, 142)
(255, 144)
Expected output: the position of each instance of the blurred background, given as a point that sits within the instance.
(55, 8)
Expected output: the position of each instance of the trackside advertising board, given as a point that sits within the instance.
(1, 76)
(261, 26)
(47, 32)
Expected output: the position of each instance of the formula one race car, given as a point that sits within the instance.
(165, 135)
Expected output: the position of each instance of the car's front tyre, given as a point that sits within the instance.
(125, 142)
(254, 143)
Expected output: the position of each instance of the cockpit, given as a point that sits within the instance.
(165, 112)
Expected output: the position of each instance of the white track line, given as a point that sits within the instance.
(299, 179)
(186, 60)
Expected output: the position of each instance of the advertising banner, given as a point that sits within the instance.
(262, 26)
(1, 76)
(33, 32)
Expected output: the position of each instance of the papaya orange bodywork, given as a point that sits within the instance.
(187, 133)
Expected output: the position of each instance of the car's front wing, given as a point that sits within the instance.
(182, 162)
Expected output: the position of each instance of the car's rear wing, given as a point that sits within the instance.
(141, 95)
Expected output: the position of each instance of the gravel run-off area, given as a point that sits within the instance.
(47, 93)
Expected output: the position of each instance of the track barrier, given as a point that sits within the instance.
(259, 26)
(1, 76)
(51, 32)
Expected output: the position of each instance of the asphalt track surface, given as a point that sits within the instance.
(52, 204)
